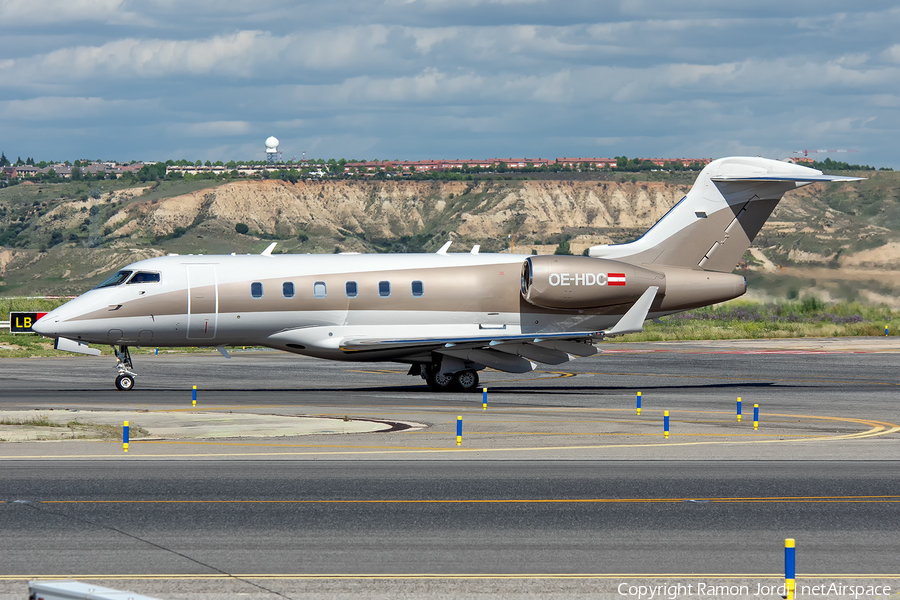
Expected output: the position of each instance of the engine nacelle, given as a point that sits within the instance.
(569, 282)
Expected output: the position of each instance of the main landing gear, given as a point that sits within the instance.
(461, 381)
(125, 379)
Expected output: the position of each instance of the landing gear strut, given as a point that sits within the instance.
(125, 379)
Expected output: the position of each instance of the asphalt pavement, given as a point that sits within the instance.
(559, 489)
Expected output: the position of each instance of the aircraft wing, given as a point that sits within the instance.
(510, 353)
(515, 353)
(349, 345)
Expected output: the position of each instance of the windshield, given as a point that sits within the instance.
(117, 279)
(144, 277)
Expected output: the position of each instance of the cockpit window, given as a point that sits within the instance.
(117, 279)
(144, 277)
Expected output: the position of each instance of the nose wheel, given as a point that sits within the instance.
(124, 382)
(125, 379)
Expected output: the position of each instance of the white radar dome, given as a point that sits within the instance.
(272, 143)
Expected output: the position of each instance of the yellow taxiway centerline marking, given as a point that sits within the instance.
(303, 576)
(878, 428)
(762, 499)
(563, 374)
(755, 379)
(753, 435)
(353, 450)
(198, 409)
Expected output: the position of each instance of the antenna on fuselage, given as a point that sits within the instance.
(444, 248)
(268, 251)
(475, 249)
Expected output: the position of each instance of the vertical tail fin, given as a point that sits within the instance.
(716, 222)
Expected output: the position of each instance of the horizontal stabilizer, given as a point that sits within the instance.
(798, 178)
(633, 320)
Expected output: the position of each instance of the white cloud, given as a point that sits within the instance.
(893, 53)
(291, 123)
(435, 86)
(828, 129)
(427, 85)
(241, 54)
(211, 128)
(404, 78)
(456, 4)
(39, 12)
(426, 38)
(234, 54)
(51, 108)
(885, 100)
(338, 47)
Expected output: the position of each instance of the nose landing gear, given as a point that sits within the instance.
(125, 379)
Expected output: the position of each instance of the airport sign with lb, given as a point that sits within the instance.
(22, 322)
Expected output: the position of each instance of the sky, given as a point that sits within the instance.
(415, 79)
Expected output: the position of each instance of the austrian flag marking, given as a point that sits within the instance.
(579, 279)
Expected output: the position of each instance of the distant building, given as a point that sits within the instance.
(401, 167)
(61, 170)
(27, 171)
(685, 162)
(597, 163)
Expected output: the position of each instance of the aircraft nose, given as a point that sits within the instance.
(46, 325)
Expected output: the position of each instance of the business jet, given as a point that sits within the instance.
(446, 315)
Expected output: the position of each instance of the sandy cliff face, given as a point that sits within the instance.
(391, 209)
(6, 256)
(817, 233)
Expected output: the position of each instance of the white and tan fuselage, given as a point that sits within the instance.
(210, 301)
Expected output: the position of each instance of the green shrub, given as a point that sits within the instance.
(563, 248)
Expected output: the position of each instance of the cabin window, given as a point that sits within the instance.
(352, 290)
(287, 289)
(117, 279)
(319, 289)
(418, 289)
(144, 277)
(384, 288)
(256, 289)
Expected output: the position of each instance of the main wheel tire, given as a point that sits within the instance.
(124, 382)
(439, 382)
(466, 381)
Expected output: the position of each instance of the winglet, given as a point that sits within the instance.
(444, 248)
(268, 251)
(633, 320)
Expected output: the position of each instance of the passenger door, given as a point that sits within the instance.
(203, 302)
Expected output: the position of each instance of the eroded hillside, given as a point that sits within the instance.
(821, 237)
